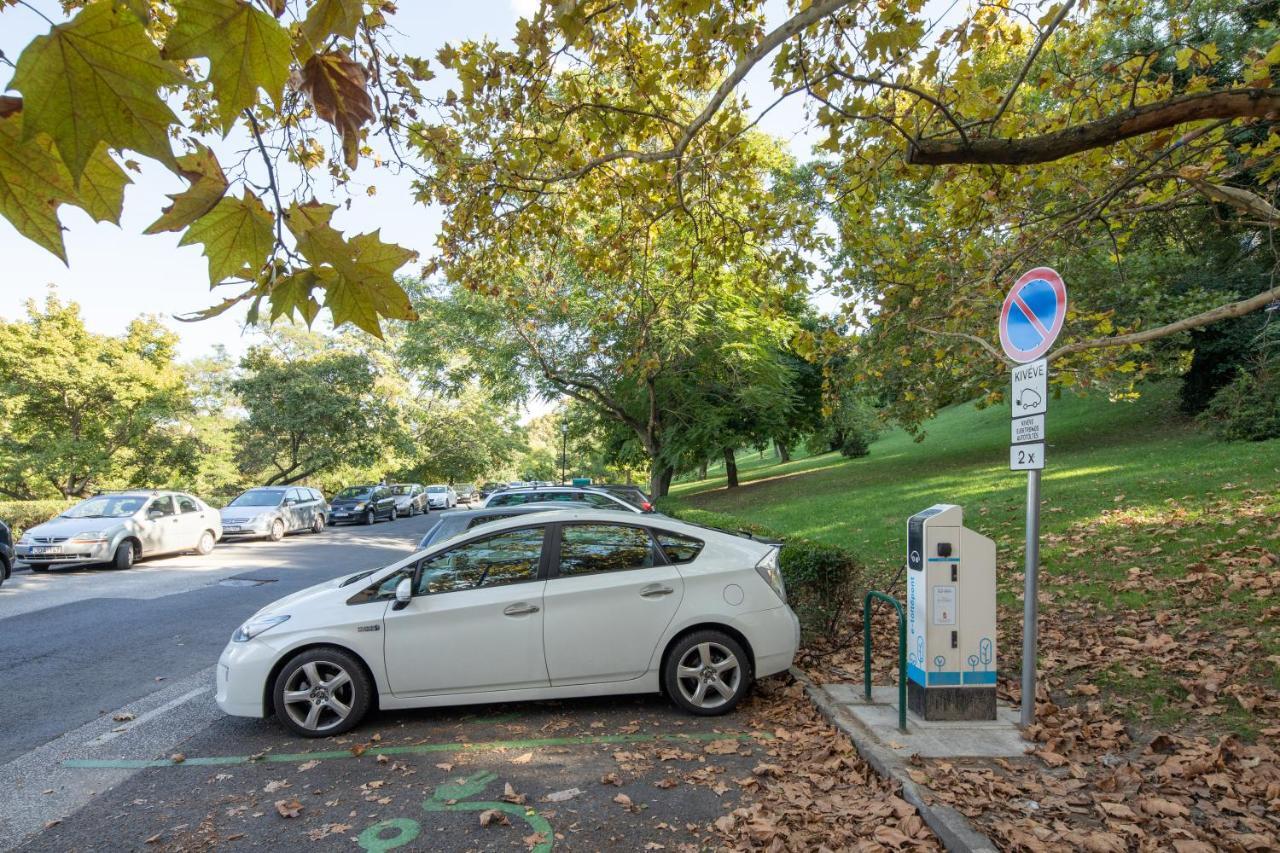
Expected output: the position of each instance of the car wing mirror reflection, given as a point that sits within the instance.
(404, 594)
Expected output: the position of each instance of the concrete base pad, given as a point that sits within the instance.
(998, 738)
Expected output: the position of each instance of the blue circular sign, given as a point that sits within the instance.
(1032, 315)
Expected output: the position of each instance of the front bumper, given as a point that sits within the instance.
(339, 514)
(65, 553)
(253, 527)
(242, 675)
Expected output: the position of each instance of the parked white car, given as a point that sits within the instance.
(545, 606)
(440, 496)
(119, 528)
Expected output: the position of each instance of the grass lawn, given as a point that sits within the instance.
(1160, 545)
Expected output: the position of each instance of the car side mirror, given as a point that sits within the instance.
(155, 514)
(404, 594)
(289, 502)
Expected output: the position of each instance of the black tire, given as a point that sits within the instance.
(38, 567)
(206, 543)
(126, 553)
(318, 525)
(683, 690)
(356, 693)
(277, 531)
(5, 569)
(370, 516)
(395, 513)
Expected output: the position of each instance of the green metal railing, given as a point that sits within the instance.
(902, 652)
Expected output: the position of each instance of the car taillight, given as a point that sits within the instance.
(646, 506)
(771, 572)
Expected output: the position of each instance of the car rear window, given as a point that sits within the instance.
(679, 549)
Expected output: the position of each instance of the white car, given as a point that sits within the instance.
(121, 527)
(544, 606)
(441, 497)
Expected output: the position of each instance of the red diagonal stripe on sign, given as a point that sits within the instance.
(1031, 315)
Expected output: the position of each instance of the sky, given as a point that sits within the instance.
(117, 273)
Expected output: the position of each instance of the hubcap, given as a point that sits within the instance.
(318, 695)
(708, 675)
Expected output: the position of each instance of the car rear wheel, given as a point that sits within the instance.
(126, 553)
(206, 543)
(370, 516)
(318, 524)
(707, 673)
(322, 692)
(277, 530)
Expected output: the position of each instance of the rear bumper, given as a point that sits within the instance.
(774, 636)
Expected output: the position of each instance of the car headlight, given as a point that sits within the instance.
(256, 626)
(772, 573)
(362, 505)
(91, 536)
(24, 539)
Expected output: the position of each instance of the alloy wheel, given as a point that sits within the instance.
(708, 675)
(319, 695)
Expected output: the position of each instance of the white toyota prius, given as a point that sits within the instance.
(540, 606)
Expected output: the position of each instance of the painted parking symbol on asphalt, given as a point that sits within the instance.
(1032, 314)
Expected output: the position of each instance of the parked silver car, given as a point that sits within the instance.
(121, 527)
(411, 498)
(273, 511)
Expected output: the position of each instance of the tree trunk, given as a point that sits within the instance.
(665, 482)
(784, 452)
(731, 467)
(702, 470)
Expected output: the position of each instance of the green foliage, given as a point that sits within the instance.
(23, 515)
(825, 583)
(309, 414)
(82, 411)
(1246, 409)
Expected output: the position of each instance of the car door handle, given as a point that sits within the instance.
(520, 609)
(654, 590)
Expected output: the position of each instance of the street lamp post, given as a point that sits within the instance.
(564, 448)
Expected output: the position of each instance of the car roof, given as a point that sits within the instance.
(619, 516)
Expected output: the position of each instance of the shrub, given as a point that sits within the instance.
(1247, 408)
(825, 583)
(22, 515)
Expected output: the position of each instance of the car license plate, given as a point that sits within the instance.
(47, 549)
(230, 528)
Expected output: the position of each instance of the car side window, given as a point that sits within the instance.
(315, 495)
(587, 549)
(484, 519)
(160, 506)
(679, 549)
(508, 557)
(187, 504)
(506, 500)
(600, 501)
(295, 495)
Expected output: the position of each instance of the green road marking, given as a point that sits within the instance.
(412, 749)
(454, 797)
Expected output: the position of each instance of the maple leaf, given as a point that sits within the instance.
(33, 182)
(100, 190)
(96, 80)
(208, 185)
(247, 50)
(330, 18)
(236, 235)
(336, 86)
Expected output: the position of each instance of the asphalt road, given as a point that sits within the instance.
(110, 738)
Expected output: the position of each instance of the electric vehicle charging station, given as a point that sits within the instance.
(951, 617)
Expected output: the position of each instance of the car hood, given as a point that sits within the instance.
(247, 511)
(348, 501)
(65, 527)
(309, 594)
(404, 499)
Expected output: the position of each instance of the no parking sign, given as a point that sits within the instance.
(1032, 314)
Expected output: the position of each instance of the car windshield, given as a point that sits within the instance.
(106, 506)
(259, 497)
(436, 489)
(401, 490)
(354, 492)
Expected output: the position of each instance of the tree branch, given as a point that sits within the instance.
(1030, 60)
(1228, 104)
(967, 337)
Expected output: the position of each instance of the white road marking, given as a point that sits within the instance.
(149, 715)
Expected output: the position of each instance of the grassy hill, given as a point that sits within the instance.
(1153, 532)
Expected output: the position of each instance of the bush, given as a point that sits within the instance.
(23, 515)
(825, 583)
(1247, 408)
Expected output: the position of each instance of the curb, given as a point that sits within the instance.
(952, 828)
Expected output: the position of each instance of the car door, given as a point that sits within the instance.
(295, 510)
(159, 526)
(610, 596)
(474, 623)
(191, 523)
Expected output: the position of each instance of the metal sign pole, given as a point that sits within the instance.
(1030, 605)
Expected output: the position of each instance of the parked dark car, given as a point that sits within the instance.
(489, 488)
(363, 504)
(6, 552)
(456, 522)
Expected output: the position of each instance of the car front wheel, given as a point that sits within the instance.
(395, 513)
(277, 530)
(370, 516)
(126, 553)
(322, 692)
(707, 673)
